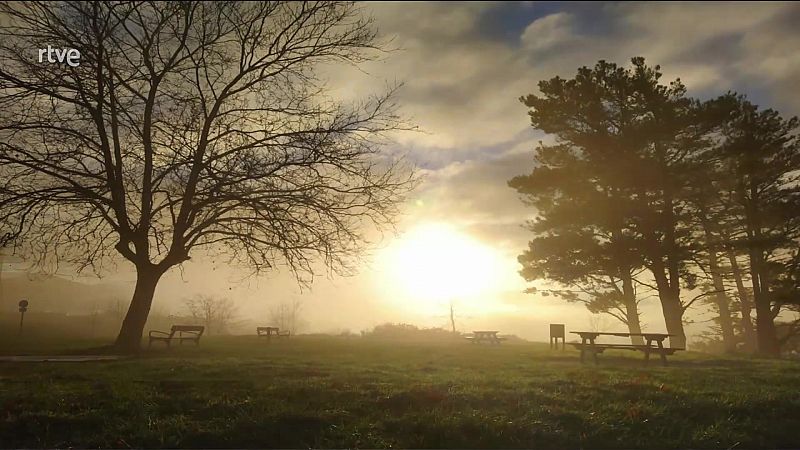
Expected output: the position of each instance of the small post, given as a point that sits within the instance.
(23, 306)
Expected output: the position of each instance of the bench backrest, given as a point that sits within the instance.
(198, 329)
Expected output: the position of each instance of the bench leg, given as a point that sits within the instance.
(594, 351)
(662, 353)
(647, 352)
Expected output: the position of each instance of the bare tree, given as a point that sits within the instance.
(118, 310)
(216, 314)
(287, 315)
(191, 126)
(598, 323)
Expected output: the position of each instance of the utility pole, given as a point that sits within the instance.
(452, 317)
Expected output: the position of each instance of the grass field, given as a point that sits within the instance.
(355, 392)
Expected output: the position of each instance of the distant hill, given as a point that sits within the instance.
(59, 295)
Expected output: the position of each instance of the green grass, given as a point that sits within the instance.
(340, 392)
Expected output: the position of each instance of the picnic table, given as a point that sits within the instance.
(271, 331)
(588, 344)
(485, 336)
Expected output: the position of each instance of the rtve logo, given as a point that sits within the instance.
(69, 56)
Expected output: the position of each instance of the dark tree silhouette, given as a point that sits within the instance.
(709, 261)
(611, 193)
(190, 126)
(760, 154)
(584, 238)
(709, 220)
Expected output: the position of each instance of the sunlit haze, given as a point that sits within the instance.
(433, 264)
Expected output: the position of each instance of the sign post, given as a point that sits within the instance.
(23, 306)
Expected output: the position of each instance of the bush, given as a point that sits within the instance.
(408, 331)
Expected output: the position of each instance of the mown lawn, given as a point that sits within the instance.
(354, 392)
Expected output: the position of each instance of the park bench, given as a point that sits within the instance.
(268, 332)
(485, 336)
(588, 344)
(178, 332)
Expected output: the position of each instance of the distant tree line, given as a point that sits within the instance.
(217, 314)
(647, 191)
(287, 316)
(407, 331)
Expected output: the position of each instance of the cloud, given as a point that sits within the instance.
(548, 32)
(460, 88)
(462, 83)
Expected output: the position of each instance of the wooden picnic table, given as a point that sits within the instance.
(270, 331)
(485, 336)
(588, 343)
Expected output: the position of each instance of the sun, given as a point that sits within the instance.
(436, 263)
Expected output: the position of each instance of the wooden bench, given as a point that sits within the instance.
(268, 332)
(588, 344)
(184, 333)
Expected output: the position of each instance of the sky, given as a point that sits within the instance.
(463, 67)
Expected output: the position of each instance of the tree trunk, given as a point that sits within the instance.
(671, 302)
(631, 310)
(745, 306)
(768, 344)
(673, 319)
(130, 335)
(670, 306)
(766, 335)
(722, 303)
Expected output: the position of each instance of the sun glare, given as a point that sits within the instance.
(436, 263)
